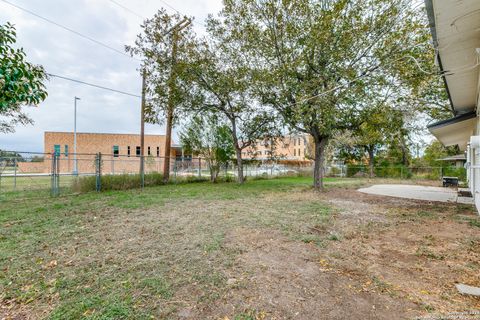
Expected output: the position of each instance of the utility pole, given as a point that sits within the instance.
(75, 164)
(170, 106)
(142, 130)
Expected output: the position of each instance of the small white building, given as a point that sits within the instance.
(455, 28)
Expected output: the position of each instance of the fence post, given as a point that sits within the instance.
(142, 171)
(15, 174)
(199, 167)
(98, 172)
(1, 172)
(55, 175)
(175, 169)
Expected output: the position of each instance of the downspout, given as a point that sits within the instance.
(468, 167)
(474, 149)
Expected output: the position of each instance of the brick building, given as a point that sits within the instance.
(120, 152)
(292, 147)
(117, 144)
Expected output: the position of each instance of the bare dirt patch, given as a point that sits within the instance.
(282, 279)
(394, 259)
(418, 251)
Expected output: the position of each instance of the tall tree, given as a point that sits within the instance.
(21, 82)
(381, 124)
(221, 80)
(208, 136)
(317, 59)
(435, 151)
(163, 46)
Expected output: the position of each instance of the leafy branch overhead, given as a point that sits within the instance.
(316, 62)
(155, 45)
(221, 81)
(315, 67)
(21, 82)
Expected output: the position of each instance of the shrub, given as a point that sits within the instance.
(127, 181)
(353, 170)
(461, 173)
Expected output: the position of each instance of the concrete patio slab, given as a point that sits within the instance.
(417, 192)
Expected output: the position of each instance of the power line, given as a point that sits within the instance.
(70, 30)
(94, 85)
(171, 7)
(127, 9)
(164, 2)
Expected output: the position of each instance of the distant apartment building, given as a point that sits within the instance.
(291, 147)
(120, 152)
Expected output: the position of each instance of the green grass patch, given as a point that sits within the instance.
(127, 254)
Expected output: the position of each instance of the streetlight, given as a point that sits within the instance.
(75, 165)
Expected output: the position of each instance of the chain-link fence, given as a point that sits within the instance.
(51, 173)
(55, 174)
(404, 172)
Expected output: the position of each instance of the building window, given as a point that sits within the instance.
(115, 151)
(56, 149)
(149, 151)
(66, 150)
(294, 152)
(158, 151)
(137, 151)
(299, 142)
(294, 142)
(128, 151)
(299, 154)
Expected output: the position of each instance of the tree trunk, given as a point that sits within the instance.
(238, 151)
(213, 171)
(404, 149)
(404, 154)
(320, 143)
(371, 158)
(241, 178)
(168, 143)
(170, 109)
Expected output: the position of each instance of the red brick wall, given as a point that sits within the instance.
(89, 144)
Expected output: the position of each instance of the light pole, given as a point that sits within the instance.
(75, 165)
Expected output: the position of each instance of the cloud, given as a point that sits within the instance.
(64, 53)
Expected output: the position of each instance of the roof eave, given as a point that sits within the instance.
(456, 119)
(433, 31)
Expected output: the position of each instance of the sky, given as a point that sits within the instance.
(66, 54)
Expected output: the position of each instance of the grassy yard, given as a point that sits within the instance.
(270, 249)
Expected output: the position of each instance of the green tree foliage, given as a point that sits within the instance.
(317, 61)
(435, 151)
(21, 82)
(208, 137)
(380, 126)
(37, 159)
(155, 46)
(220, 74)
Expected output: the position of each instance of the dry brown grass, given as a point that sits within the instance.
(272, 249)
